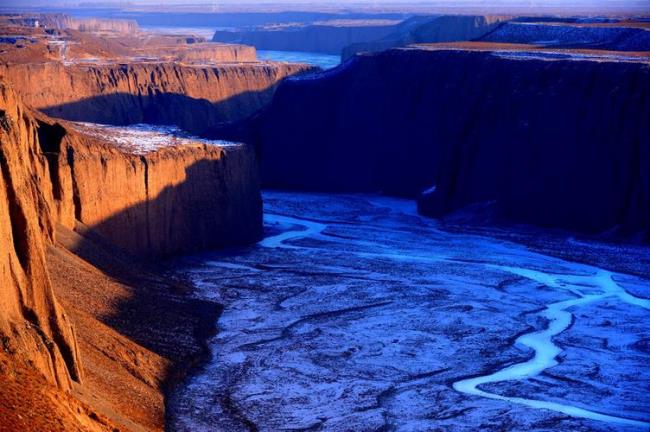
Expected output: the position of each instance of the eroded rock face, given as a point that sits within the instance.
(178, 199)
(61, 21)
(211, 52)
(196, 98)
(557, 143)
(33, 328)
(175, 200)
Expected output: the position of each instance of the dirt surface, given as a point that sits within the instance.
(134, 329)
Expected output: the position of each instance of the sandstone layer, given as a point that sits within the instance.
(61, 21)
(175, 200)
(560, 143)
(196, 98)
(74, 213)
(33, 327)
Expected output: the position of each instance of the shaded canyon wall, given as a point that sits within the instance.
(323, 38)
(556, 143)
(430, 29)
(131, 331)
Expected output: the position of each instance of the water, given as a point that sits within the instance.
(355, 313)
(325, 61)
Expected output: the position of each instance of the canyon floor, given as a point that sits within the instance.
(354, 313)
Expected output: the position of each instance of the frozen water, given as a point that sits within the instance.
(541, 342)
(354, 313)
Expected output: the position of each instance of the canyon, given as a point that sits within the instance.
(429, 29)
(87, 212)
(134, 200)
(461, 239)
(78, 214)
(476, 125)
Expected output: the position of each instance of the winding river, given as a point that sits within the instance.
(355, 313)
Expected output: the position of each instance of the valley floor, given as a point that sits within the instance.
(355, 313)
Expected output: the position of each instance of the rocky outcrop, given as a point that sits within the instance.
(557, 143)
(196, 98)
(218, 53)
(99, 25)
(134, 333)
(325, 38)
(430, 29)
(34, 330)
(175, 200)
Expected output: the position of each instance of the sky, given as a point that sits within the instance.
(591, 4)
(340, 2)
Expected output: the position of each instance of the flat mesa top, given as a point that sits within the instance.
(144, 138)
(535, 52)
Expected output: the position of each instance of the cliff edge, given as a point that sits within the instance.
(33, 326)
(554, 139)
(195, 98)
(77, 212)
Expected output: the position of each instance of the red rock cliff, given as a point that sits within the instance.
(175, 200)
(33, 328)
(196, 98)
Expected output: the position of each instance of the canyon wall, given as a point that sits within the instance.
(324, 38)
(196, 98)
(61, 22)
(430, 29)
(555, 143)
(34, 330)
(175, 200)
(218, 53)
(74, 211)
(179, 199)
(98, 25)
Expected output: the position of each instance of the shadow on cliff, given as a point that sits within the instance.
(194, 115)
(129, 247)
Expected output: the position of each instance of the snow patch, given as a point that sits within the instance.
(144, 138)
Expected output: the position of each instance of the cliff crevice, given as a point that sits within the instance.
(35, 329)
